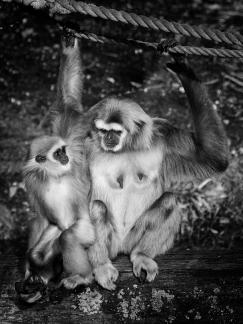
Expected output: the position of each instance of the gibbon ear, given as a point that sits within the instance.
(70, 78)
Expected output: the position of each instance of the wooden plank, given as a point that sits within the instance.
(192, 286)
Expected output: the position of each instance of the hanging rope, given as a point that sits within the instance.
(188, 50)
(72, 6)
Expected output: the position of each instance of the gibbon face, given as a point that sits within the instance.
(122, 124)
(111, 135)
(49, 154)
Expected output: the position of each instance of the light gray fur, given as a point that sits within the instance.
(152, 143)
(59, 193)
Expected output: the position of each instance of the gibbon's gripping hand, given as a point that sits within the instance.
(180, 64)
(165, 44)
(68, 40)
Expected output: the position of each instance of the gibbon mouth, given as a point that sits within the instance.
(64, 160)
(110, 144)
(110, 147)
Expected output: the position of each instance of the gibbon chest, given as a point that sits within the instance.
(128, 183)
(59, 196)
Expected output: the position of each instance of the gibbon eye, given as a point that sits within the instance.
(40, 158)
(118, 132)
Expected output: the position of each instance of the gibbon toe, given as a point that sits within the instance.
(142, 262)
(106, 275)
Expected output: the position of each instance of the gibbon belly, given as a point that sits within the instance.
(58, 196)
(128, 183)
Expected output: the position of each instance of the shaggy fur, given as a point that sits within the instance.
(136, 185)
(58, 192)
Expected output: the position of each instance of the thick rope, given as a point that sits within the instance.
(71, 6)
(188, 50)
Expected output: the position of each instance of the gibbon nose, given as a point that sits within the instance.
(109, 136)
(61, 156)
(40, 158)
(111, 140)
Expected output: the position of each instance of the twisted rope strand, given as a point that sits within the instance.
(188, 50)
(70, 6)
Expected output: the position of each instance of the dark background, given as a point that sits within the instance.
(29, 60)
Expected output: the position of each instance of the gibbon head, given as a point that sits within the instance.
(48, 157)
(121, 124)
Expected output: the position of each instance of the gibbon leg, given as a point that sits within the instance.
(163, 221)
(37, 276)
(104, 271)
(37, 227)
(47, 247)
(74, 243)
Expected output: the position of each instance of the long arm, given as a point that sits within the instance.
(204, 152)
(70, 77)
(68, 107)
(186, 157)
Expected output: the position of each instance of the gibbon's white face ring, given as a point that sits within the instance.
(100, 124)
(117, 147)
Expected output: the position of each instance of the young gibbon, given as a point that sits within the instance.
(57, 184)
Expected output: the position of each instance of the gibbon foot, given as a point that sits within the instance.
(75, 280)
(106, 275)
(31, 290)
(142, 262)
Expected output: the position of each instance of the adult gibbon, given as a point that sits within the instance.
(136, 164)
